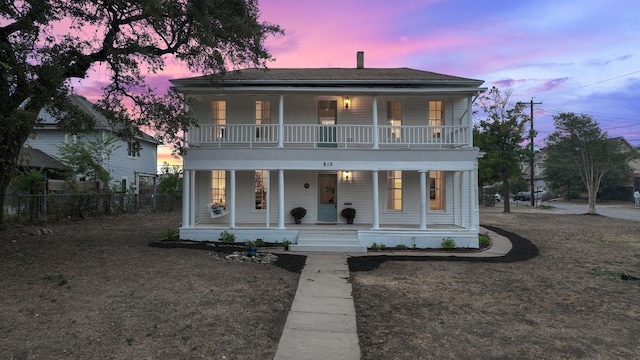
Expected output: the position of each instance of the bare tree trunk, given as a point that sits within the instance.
(592, 201)
(11, 142)
(505, 193)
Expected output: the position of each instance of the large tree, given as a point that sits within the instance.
(499, 136)
(579, 151)
(45, 44)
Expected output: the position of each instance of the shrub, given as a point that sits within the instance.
(227, 237)
(484, 240)
(448, 243)
(170, 234)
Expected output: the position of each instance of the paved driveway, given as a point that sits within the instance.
(624, 211)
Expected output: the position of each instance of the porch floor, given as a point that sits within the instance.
(329, 227)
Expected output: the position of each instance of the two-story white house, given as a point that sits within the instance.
(133, 165)
(395, 144)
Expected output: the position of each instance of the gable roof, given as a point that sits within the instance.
(356, 79)
(101, 121)
(34, 158)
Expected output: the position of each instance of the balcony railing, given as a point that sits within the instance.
(318, 135)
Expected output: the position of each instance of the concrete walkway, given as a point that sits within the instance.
(322, 321)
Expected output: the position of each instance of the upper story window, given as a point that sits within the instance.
(263, 116)
(394, 116)
(133, 149)
(436, 118)
(394, 190)
(436, 190)
(260, 189)
(218, 188)
(219, 117)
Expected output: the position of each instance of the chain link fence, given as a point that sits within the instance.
(50, 208)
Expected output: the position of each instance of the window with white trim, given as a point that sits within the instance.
(218, 188)
(436, 118)
(436, 190)
(133, 148)
(263, 117)
(260, 189)
(394, 117)
(218, 117)
(394, 190)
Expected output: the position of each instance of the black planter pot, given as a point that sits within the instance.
(349, 220)
(298, 221)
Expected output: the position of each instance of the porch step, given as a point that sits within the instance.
(328, 241)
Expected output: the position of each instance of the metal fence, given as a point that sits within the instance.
(49, 208)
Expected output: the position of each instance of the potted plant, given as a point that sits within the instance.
(298, 213)
(349, 214)
(252, 250)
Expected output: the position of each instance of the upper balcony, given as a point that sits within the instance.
(329, 136)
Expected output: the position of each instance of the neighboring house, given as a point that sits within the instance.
(539, 167)
(394, 144)
(132, 165)
(625, 191)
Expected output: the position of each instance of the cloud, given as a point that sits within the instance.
(551, 84)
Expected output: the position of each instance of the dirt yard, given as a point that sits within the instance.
(568, 302)
(94, 289)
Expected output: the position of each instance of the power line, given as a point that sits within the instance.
(613, 78)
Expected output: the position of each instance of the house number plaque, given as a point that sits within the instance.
(327, 164)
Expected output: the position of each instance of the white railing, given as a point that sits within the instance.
(319, 135)
(423, 135)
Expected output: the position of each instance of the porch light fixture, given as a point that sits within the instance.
(346, 176)
(347, 102)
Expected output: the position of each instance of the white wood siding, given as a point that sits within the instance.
(119, 165)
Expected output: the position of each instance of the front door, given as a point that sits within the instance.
(327, 118)
(327, 210)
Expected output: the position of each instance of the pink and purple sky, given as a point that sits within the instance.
(570, 55)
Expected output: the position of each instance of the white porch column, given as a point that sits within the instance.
(458, 197)
(376, 207)
(192, 198)
(281, 199)
(267, 196)
(475, 211)
(232, 199)
(281, 122)
(186, 194)
(423, 200)
(375, 122)
(470, 121)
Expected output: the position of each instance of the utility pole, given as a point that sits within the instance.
(533, 154)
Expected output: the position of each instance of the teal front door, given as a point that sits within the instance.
(327, 210)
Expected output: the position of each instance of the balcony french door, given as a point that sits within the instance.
(327, 118)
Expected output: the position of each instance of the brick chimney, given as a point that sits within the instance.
(360, 60)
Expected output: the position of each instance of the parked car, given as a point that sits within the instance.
(522, 195)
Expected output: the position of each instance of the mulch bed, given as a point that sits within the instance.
(522, 250)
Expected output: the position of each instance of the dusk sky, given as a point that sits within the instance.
(570, 55)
